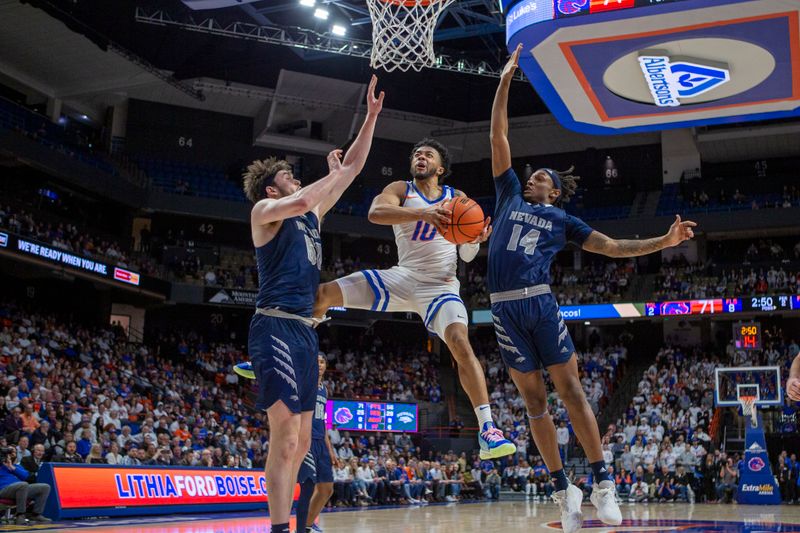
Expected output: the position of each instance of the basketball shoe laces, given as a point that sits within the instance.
(606, 492)
(493, 435)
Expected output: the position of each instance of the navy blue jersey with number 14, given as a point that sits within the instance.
(526, 237)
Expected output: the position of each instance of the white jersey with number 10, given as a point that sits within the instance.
(421, 248)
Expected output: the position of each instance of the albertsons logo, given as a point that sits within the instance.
(672, 79)
(406, 417)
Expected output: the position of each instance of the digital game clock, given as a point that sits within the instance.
(747, 336)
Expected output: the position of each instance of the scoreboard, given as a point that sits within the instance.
(747, 336)
(371, 416)
(782, 302)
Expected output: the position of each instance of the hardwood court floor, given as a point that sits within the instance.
(473, 518)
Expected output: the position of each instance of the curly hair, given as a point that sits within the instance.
(444, 154)
(569, 184)
(259, 176)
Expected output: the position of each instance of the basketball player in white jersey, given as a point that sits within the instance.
(424, 281)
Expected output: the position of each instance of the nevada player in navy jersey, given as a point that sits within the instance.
(285, 226)
(316, 471)
(529, 229)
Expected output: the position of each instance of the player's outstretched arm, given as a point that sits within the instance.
(793, 383)
(271, 210)
(387, 210)
(501, 150)
(603, 244)
(356, 156)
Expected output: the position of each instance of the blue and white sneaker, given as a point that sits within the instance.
(315, 528)
(493, 443)
(245, 370)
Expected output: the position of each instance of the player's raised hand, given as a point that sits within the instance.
(437, 215)
(680, 231)
(374, 105)
(334, 160)
(793, 389)
(513, 63)
(487, 231)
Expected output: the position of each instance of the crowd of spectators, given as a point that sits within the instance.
(661, 449)
(84, 394)
(383, 371)
(70, 237)
(380, 469)
(682, 280)
(600, 370)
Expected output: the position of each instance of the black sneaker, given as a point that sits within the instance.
(39, 519)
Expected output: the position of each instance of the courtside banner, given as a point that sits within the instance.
(105, 490)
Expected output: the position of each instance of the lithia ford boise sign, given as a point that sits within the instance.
(671, 80)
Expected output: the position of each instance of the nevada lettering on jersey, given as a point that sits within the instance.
(519, 216)
(309, 230)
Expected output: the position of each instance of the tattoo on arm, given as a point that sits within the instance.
(633, 248)
(605, 245)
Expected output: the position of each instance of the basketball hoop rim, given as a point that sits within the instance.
(748, 402)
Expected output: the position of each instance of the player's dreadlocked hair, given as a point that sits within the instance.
(439, 147)
(569, 184)
(259, 176)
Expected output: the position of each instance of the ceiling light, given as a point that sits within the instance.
(308, 3)
(341, 31)
(321, 13)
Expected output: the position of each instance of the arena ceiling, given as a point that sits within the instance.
(470, 30)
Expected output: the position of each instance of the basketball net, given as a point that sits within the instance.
(402, 33)
(749, 409)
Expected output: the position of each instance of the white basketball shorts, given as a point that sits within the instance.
(437, 302)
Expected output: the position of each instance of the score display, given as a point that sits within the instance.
(782, 302)
(768, 303)
(689, 307)
(371, 416)
(747, 336)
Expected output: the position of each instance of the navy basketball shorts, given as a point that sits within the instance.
(316, 465)
(531, 333)
(284, 355)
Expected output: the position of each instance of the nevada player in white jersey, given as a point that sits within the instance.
(424, 281)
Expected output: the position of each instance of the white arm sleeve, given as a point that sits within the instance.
(467, 252)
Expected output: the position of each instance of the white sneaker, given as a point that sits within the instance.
(569, 501)
(604, 499)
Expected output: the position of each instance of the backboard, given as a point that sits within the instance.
(623, 66)
(763, 382)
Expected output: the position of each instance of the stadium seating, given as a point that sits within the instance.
(190, 179)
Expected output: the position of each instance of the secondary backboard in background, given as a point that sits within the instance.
(620, 66)
(764, 382)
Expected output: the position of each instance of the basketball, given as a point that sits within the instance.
(466, 222)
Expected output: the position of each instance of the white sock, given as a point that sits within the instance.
(484, 414)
